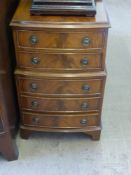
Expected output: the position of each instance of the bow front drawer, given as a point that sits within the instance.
(40, 61)
(60, 121)
(60, 87)
(59, 40)
(59, 104)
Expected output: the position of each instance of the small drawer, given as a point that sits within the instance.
(60, 104)
(59, 40)
(60, 87)
(60, 121)
(60, 62)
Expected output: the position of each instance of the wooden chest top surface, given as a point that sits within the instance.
(22, 18)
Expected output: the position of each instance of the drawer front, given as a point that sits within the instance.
(60, 104)
(60, 87)
(74, 40)
(60, 121)
(60, 62)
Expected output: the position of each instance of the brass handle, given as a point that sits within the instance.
(85, 87)
(84, 61)
(35, 60)
(33, 39)
(84, 106)
(35, 120)
(83, 121)
(34, 87)
(86, 41)
(34, 104)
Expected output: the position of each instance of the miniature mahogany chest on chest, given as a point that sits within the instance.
(60, 72)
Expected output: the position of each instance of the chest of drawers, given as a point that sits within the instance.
(60, 72)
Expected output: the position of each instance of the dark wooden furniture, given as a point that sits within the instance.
(7, 103)
(63, 7)
(60, 72)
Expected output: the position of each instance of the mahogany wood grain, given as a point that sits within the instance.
(60, 87)
(49, 51)
(64, 40)
(55, 75)
(61, 105)
(22, 19)
(92, 131)
(60, 121)
(95, 134)
(60, 62)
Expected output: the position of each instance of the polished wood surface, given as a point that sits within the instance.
(60, 121)
(64, 40)
(7, 101)
(60, 62)
(23, 19)
(67, 105)
(60, 72)
(60, 87)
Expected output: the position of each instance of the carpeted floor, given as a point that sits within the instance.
(68, 154)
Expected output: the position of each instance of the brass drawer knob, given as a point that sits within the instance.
(85, 87)
(34, 87)
(86, 41)
(35, 120)
(33, 39)
(83, 121)
(84, 106)
(84, 61)
(34, 104)
(35, 60)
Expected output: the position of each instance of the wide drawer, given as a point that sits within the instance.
(60, 62)
(60, 104)
(62, 40)
(54, 87)
(60, 121)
